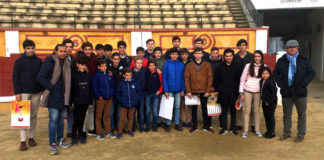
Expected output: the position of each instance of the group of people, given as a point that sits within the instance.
(113, 87)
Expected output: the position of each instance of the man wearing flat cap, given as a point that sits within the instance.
(293, 72)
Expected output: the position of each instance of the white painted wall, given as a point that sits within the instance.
(287, 4)
(261, 40)
(12, 42)
(139, 39)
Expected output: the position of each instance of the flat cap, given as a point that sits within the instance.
(292, 43)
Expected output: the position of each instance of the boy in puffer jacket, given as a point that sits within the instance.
(103, 88)
(128, 95)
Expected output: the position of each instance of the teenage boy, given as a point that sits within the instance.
(100, 51)
(176, 44)
(104, 89)
(140, 54)
(228, 87)
(159, 58)
(124, 59)
(26, 87)
(150, 47)
(173, 86)
(128, 93)
(242, 58)
(198, 81)
(198, 43)
(107, 53)
(55, 77)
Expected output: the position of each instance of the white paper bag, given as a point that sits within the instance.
(213, 108)
(194, 100)
(166, 107)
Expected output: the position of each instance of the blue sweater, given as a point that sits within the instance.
(128, 93)
(173, 76)
(103, 85)
(140, 77)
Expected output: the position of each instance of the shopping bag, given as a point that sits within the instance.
(213, 108)
(166, 107)
(20, 114)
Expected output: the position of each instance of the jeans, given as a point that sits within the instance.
(140, 111)
(55, 124)
(269, 116)
(114, 114)
(69, 118)
(225, 109)
(206, 118)
(176, 108)
(152, 102)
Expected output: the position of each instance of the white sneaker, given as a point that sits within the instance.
(245, 135)
(258, 134)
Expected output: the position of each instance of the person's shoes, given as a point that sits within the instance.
(266, 135)
(111, 135)
(299, 139)
(184, 124)
(119, 135)
(130, 133)
(234, 132)
(92, 133)
(147, 129)
(53, 148)
(74, 141)
(193, 130)
(69, 135)
(178, 128)
(258, 134)
(239, 127)
(31, 142)
(245, 135)
(284, 137)
(208, 130)
(159, 125)
(83, 140)
(271, 135)
(101, 137)
(63, 143)
(155, 129)
(189, 125)
(253, 129)
(166, 128)
(23, 146)
(222, 132)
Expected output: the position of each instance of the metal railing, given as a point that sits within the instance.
(255, 15)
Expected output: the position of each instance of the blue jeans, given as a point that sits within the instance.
(140, 112)
(114, 114)
(176, 108)
(55, 124)
(152, 103)
(69, 118)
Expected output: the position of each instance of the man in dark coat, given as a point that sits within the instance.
(293, 72)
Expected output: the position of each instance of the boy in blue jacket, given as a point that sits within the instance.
(128, 94)
(103, 89)
(173, 86)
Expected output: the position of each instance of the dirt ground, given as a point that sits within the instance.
(180, 145)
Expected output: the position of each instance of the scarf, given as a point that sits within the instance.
(54, 79)
(292, 68)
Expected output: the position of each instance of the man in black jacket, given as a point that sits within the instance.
(293, 72)
(26, 87)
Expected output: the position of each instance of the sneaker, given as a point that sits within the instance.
(266, 135)
(83, 140)
(222, 132)
(130, 133)
(32, 142)
(147, 129)
(253, 129)
(166, 128)
(284, 137)
(193, 130)
(141, 129)
(258, 134)
(245, 135)
(74, 141)
(178, 128)
(119, 135)
(63, 144)
(299, 139)
(189, 125)
(155, 128)
(111, 135)
(271, 135)
(234, 132)
(23, 146)
(53, 148)
(184, 124)
(69, 135)
(101, 137)
(208, 130)
(92, 133)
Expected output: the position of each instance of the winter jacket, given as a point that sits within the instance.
(56, 97)
(148, 55)
(153, 82)
(92, 66)
(117, 73)
(160, 63)
(126, 61)
(248, 83)
(213, 65)
(140, 77)
(198, 81)
(248, 58)
(128, 93)
(103, 85)
(132, 65)
(304, 75)
(173, 76)
(81, 92)
(24, 74)
(268, 91)
(228, 83)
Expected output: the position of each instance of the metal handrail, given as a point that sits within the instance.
(256, 16)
